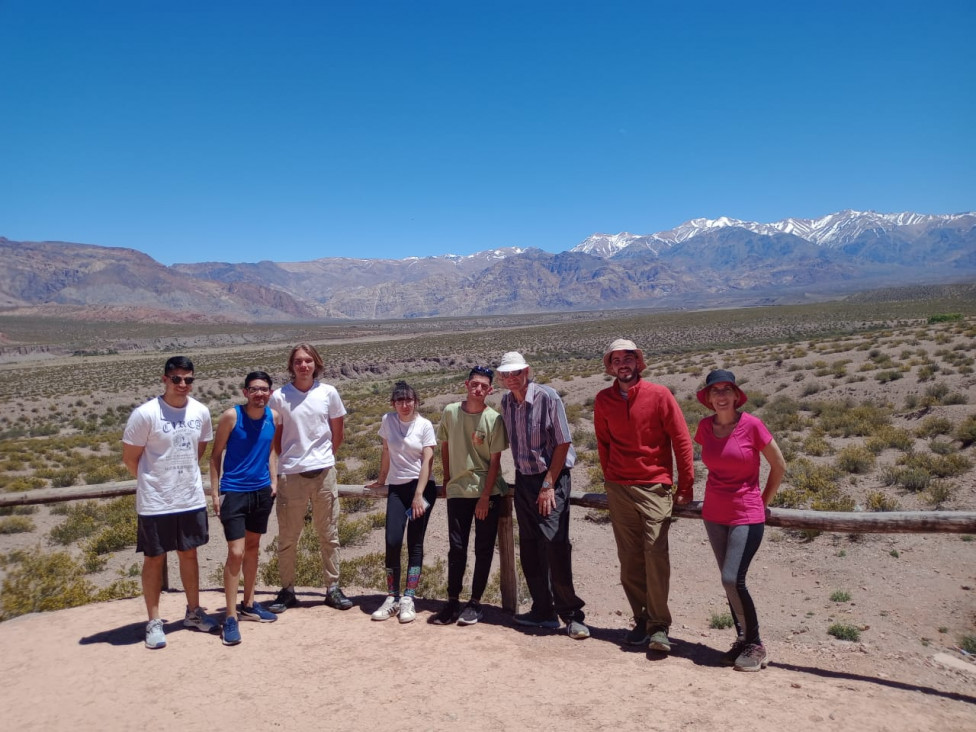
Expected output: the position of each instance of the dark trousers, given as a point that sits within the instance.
(399, 499)
(545, 550)
(460, 514)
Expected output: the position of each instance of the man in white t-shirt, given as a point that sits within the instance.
(312, 420)
(163, 442)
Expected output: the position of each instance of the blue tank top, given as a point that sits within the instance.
(246, 455)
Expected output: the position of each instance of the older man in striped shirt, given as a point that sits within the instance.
(542, 448)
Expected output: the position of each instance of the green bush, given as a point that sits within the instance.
(968, 644)
(855, 459)
(38, 582)
(82, 520)
(840, 596)
(16, 525)
(932, 426)
(889, 437)
(878, 501)
(844, 632)
(966, 431)
(720, 621)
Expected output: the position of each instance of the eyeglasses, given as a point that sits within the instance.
(258, 389)
(188, 380)
(403, 400)
(483, 371)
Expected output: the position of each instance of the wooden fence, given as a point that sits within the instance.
(893, 522)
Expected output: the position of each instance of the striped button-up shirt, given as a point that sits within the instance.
(536, 427)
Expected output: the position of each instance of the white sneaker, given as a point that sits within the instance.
(155, 636)
(407, 611)
(388, 609)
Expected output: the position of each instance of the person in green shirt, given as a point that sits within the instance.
(472, 437)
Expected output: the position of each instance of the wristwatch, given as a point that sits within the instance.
(546, 485)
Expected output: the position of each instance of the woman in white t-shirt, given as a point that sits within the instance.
(405, 468)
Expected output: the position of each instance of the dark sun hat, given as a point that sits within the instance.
(720, 376)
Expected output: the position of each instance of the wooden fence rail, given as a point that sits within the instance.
(892, 522)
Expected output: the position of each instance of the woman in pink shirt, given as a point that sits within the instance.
(734, 511)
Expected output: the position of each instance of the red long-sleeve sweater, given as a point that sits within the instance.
(635, 436)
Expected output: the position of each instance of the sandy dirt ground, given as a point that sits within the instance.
(86, 668)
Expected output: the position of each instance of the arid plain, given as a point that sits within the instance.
(872, 401)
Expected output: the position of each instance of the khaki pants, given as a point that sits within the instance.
(294, 493)
(641, 516)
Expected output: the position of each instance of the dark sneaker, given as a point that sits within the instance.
(286, 598)
(734, 652)
(576, 630)
(471, 614)
(529, 620)
(335, 598)
(198, 619)
(256, 612)
(449, 614)
(752, 658)
(659, 642)
(638, 635)
(231, 633)
(155, 636)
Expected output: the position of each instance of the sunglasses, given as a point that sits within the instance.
(483, 371)
(188, 380)
(258, 389)
(512, 374)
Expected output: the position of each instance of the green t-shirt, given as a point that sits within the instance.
(471, 441)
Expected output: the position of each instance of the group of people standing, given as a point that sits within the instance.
(278, 449)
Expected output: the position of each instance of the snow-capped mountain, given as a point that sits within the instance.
(833, 230)
(720, 262)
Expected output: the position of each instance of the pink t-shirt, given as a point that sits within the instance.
(732, 494)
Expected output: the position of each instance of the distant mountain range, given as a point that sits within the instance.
(702, 263)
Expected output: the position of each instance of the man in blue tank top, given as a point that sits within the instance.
(243, 484)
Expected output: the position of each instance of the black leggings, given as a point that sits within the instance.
(734, 548)
(460, 513)
(398, 500)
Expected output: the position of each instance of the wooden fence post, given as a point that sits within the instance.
(506, 555)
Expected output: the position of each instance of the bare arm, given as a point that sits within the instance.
(337, 425)
(228, 420)
(426, 466)
(384, 467)
(273, 455)
(546, 501)
(445, 463)
(777, 469)
(130, 457)
(484, 500)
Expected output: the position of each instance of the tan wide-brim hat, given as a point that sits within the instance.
(622, 344)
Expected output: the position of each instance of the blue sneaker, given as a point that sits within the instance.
(256, 612)
(231, 634)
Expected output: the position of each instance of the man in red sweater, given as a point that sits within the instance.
(638, 424)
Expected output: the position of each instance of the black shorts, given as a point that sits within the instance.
(169, 532)
(245, 511)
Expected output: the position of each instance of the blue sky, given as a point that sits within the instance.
(242, 131)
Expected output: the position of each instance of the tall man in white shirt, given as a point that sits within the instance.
(312, 420)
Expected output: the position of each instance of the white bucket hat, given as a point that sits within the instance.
(622, 344)
(511, 361)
